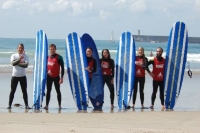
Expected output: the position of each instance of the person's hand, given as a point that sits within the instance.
(88, 69)
(21, 59)
(61, 81)
(112, 81)
(151, 74)
(138, 63)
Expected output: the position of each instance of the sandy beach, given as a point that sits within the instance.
(126, 122)
(185, 118)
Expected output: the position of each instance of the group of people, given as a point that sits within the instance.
(20, 61)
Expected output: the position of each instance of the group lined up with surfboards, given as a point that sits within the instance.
(87, 73)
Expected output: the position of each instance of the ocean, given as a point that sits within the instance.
(8, 46)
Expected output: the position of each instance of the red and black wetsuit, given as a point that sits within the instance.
(108, 68)
(92, 65)
(53, 71)
(158, 78)
(140, 78)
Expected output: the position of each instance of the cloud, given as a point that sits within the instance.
(138, 6)
(103, 14)
(10, 4)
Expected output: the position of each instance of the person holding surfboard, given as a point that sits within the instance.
(19, 61)
(157, 74)
(108, 67)
(55, 62)
(92, 67)
(141, 64)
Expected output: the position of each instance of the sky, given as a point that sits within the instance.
(58, 18)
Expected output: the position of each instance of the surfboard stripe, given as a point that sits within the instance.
(182, 69)
(70, 72)
(130, 69)
(83, 71)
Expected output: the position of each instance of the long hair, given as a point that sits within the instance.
(108, 53)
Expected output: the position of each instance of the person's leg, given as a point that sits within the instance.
(57, 87)
(142, 82)
(135, 90)
(49, 87)
(111, 89)
(153, 96)
(23, 83)
(161, 84)
(14, 82)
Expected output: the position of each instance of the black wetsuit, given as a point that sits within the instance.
(55, 80)
(108, 78)
(141, 81)
(157, 84)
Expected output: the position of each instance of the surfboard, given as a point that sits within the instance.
(76, 63)
(125, 69)
(176, 56)
(96, 92)
(40, 68)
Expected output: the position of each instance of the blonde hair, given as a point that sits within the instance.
(142, 50)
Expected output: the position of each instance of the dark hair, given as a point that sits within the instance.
(89, 48)
(52, 45)
(108, 53)
(21, 44)
(160, 48)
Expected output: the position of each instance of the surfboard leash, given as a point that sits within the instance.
(189, 71)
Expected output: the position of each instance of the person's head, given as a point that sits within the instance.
(159, 52)
(105, 54)
(20, 48)
(140, 51)
(89, 52)
(52, 49)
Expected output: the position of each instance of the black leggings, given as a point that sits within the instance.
(50, 81)
(155, 88)
(141, 81)
(23, 84)
(107, 79)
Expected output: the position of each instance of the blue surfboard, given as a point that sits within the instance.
(40, 69)
(176, 56)
(76, 63)
(125, 69)
(96, 92)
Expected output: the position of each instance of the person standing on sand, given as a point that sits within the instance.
(19, 61)
(55, 61)
(141, 64)
(108, 68)
(92, 67)
(158, 76)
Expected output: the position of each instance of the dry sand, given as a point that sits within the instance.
(122, 122)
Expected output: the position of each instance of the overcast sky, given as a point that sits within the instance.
(23, 18)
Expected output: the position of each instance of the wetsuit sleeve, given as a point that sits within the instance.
(94, 65)
(151, 61)
(61, 63)
(113, 68)
(145, 67)
(14, 61)
(25, 63)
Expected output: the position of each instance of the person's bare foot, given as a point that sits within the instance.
(59, 107)
(151, 107)
(163, 107)
(46, 108)
(112, 107)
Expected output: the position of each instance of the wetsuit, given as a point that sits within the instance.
(140, 78)
(158, 78)
(108, 68)
(53, 67)
(19, 75)
(92, 65)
